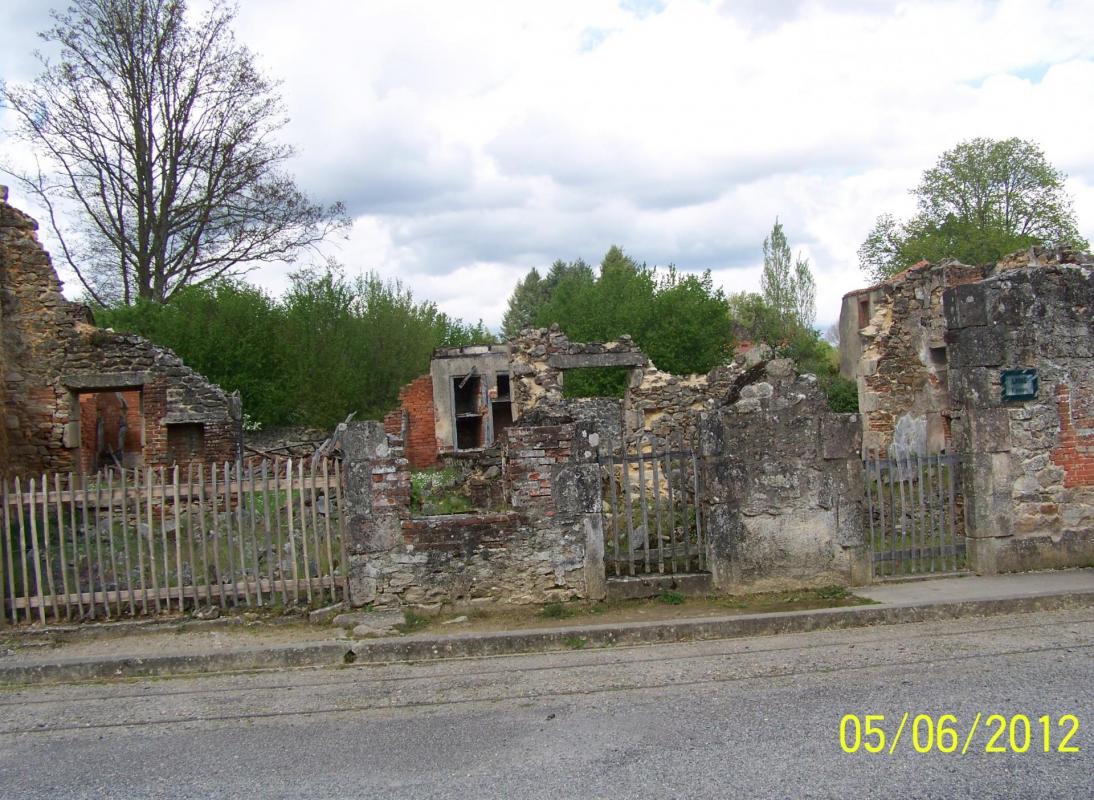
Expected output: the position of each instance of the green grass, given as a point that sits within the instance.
(555, 611)
(671, 598)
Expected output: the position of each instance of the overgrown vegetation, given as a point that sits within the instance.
(437, 491)
(328, 347)
(556, 611)
(413, 621)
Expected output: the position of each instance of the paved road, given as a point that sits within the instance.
(736, 718)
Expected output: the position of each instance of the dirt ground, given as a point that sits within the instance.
(668, 606)
(255, 629)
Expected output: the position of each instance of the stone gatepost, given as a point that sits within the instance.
(579, 491)
(1021, 375)
(377, 498)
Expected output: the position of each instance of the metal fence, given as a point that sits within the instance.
(127, 542)
(652, 517)
(914, 513)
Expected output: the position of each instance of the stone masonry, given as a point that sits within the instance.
(784, 487)
(52, 355)
(893, 343)
(534, 552)
(1028, 464)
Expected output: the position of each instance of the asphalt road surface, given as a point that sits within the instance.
(725, 719)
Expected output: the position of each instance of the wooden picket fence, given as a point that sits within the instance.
(131, 542)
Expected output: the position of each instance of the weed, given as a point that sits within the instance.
(575, 642)
(833, 593)
(671, 598)
(555, 611)
(412, 621)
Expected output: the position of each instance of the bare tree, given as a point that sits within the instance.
(831, 335)
(163, 136)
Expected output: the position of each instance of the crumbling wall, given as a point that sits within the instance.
(902, 359)
(36, 323)
(667, 406)
(655, 402)
(540, 357)
(534, 552)
(783, 484)
(52, 353)
(413, 421)
(1028, 464)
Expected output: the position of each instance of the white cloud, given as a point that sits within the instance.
(478, 139)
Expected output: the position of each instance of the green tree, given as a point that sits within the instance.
(787, 283)
(227, 330)
(680, 321)
(161, 143)
(532, 292)
(329, 346)
(983, 199)
(754, 320)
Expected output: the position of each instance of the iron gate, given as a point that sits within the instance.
(915, 514)
(653, 521)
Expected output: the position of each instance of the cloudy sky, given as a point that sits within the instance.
(473, 140)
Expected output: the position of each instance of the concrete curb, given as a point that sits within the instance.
(250, 659)
(425, 647)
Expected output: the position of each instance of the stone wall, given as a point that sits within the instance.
(51, 354)
(1027, 464)
(783, 481)
(540, 357)
(657, 403)
(535, 552)
(892, 342)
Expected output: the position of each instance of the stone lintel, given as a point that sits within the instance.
(96, 381)
(579, 360)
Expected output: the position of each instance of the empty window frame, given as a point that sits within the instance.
(467, 410)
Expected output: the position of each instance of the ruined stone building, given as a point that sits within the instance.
(893, 343)
(772, 474)
(473, 393)
(995, 364)
(460, 405)
(77, 397)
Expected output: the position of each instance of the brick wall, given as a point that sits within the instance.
(1075, 451)
(532, 458)
(112, 408)
(416, 402)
